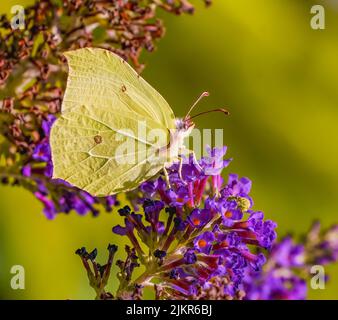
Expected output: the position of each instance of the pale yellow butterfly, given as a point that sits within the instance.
(96, 143)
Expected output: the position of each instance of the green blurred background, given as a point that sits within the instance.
(278, 78)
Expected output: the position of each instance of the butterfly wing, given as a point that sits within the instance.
(97, 143)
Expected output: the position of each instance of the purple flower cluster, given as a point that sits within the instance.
(289, 264)
(198, 229)
(58, 196)
(198, 237)
(279, 282)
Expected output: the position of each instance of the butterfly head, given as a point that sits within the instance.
(184, 124)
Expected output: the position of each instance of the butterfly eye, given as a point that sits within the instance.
(124, 89)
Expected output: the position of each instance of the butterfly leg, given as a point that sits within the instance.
(180, 170)
(195, 161)
(188, 152)
(166, 175)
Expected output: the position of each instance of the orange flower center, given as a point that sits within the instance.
(196, 221)
(202, 243)
(228, 214)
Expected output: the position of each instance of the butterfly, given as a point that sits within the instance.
(104, 141)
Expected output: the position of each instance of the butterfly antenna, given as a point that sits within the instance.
(224, 111)
(204, 94)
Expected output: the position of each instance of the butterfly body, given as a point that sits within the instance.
(176, 145)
